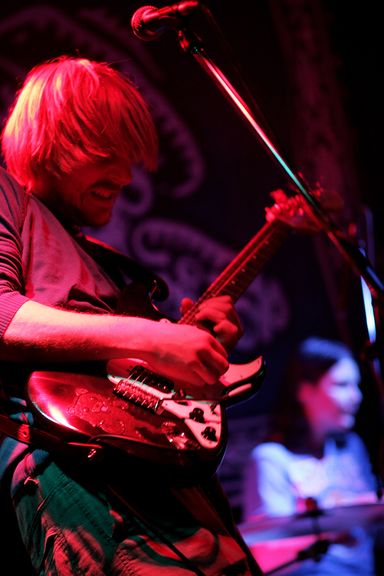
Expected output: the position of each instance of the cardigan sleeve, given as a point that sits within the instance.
(13, 201)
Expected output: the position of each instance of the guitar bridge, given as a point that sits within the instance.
(142, 387)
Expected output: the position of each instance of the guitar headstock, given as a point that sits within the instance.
(295, 211)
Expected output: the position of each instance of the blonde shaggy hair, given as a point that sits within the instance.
(73, 111)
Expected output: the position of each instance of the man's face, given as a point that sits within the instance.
(86, 196)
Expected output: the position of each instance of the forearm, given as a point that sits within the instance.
(39, 332)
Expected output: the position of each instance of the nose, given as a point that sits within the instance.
(122, 180)
(356, 396)
(125, 174)
(121, 173)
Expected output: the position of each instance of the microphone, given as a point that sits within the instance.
(149, 22)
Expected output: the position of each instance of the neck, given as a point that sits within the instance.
(316, 445)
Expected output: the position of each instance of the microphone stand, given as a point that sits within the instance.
(350, 250)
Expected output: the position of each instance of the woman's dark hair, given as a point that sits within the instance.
(312, 358)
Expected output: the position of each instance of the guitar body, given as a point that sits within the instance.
(135, 410)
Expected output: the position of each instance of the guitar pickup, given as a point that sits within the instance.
(149, 378)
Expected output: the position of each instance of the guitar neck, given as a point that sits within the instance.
(241, 272)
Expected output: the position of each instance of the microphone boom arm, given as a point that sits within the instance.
(356, 258)
(350, 251)
(189, 42)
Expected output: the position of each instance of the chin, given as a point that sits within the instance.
(99, 221)
(347, 423)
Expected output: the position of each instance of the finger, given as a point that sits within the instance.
(224, 303)
(218, 322)
(227, 333)
(219, 306)
(186, 304)
(211, 366)
(210, 314)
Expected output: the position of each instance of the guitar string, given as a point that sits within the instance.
(270, 236)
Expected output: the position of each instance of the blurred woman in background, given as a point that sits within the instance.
(314, 458)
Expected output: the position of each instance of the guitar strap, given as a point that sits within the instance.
(119, 266)
(33, 436)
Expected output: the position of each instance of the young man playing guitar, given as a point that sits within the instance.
(75, 131)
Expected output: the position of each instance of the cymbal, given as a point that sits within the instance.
(338, 519)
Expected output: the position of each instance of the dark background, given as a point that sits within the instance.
(311, 72)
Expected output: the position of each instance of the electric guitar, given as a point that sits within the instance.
(129, 407)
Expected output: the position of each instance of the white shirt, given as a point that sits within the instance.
(278, 482)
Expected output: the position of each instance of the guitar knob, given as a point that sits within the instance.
(197, 414)
(209, 433)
